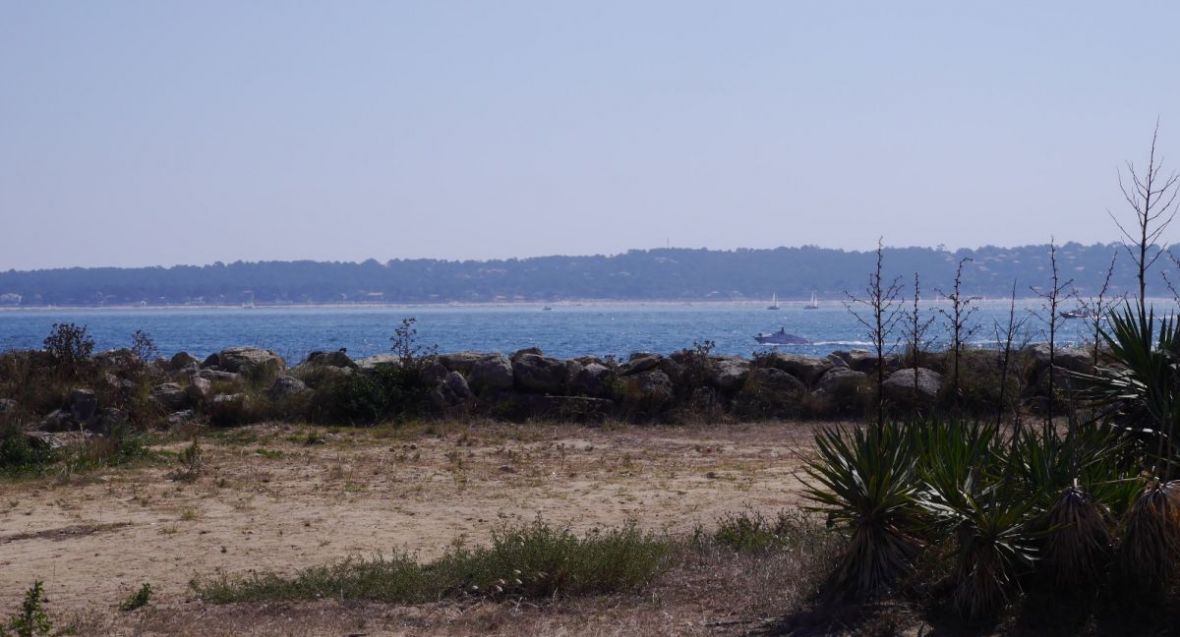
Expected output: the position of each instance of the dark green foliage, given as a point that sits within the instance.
(138, 599)
(70, 346)
(535, 561)
(18, 454)
(752, 532)
(31, 620)
(866, 481)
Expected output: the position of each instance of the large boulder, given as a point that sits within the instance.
(171, 395)
(914, 387)
(83, 404)
(646, 393)
(219, 376)
(593, 379)
(329, 359)
(451, 391)
(286, 387)
(539, 374)
(373, 362)
(770, 392)
(181, 360)
(199, 389)
(805, 368)
(730, 373)
(837, 379)
(858, 360)
(251, 362)
(491, 373)
(462, 362)
(1073, 359)
(640, 362)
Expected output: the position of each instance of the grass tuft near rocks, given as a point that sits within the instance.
(534, 561)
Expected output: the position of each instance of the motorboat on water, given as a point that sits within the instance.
(1079, 313)
(781, 337)
(813, 304)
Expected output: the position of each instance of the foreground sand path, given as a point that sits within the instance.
(268, 500)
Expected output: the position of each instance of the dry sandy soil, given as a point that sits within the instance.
(268, 500)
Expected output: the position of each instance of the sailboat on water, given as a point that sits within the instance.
(773, 302)
(813, 304)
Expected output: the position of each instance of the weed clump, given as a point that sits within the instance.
(534, 561)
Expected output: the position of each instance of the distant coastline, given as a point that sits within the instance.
(668, 275)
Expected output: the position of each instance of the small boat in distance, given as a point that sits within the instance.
(1079, 313)
(773, 302)
(781, 337)
(813, 304)
(546, 309)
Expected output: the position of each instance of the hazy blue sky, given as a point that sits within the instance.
(135, 133)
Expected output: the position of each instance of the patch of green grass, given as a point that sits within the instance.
(138, 599)
(531, 561)
(751, 531)
(269, 454)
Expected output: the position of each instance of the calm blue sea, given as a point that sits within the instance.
(566, 330)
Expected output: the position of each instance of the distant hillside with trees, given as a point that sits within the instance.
(670, 274)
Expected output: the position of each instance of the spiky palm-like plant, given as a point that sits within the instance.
(866, 482)
(1149, 552)
(971, 498)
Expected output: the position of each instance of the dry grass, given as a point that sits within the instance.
(280, 497)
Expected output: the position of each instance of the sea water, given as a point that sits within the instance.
(564, 330)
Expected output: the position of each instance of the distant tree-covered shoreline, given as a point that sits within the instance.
(659, 274)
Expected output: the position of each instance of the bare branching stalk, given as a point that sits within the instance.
(1095, 308)
(915, 331)
(1052, 303)
(881, 316)
(1152, 198)
(958, 322)
(1006, 336)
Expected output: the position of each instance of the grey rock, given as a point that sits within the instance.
(491, 373)
(251, 361)
(593, 379)
(916, 387)
(83, 404)
(217, 375)
(181, 360)
(838, 377)
(1071, 358)
(461, 362)
(199, 389)
(329, 359)
(118, 359)
(178, 418)
(539, 374)
(805, 368)
(58, 420)
(647, 392)
(171, 395)
(285, 387)
(640, 362)
(107, 420)
(730, 373)
(8, 406)
(528, 350)
(373, 362)
(452, 390)
(773, 380)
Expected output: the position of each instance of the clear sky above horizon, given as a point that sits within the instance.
(145, 133)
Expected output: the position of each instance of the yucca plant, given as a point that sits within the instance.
(971, 498)
(1077, 540)
(1150, 549)
(865, 481)
(1140, 392)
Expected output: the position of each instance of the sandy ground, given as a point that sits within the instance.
(267, 500)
